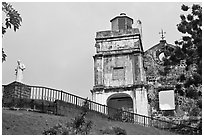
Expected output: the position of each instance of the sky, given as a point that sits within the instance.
(56, 39)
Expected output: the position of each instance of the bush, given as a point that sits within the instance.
(114, 131)
(70, 128)
(78, 126)
(116, 114)
(56, 130)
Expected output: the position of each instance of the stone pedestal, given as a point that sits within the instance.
(16, 90)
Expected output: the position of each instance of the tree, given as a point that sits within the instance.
(189, 50)
(13, 19)
(190, 46)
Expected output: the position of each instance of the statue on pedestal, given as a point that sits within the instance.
(19, 71)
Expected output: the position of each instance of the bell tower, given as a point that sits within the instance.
(119, 75)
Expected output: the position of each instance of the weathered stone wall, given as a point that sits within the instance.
(151, 62)
(16, 90)
(118, 67)
(118, 70)
(138, 69)
(35, 104)
(115, 57)
(141, 104)
(98, 71)
(67, 109)
(102, 97)
(110, 33)
(155, 69)
(117, 43)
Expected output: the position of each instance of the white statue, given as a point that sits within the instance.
(139, 26)
(19, 71)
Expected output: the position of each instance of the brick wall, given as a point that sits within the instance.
(16, 90)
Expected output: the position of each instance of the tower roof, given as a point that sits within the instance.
(121, 27)
(121, 22)
(122, 15)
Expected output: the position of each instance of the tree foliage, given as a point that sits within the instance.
(190, 46)
(189, 50)
(12, 20)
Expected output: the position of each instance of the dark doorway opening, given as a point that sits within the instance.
(120, 101)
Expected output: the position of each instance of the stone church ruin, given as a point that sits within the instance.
(127, 82)
(127, 77)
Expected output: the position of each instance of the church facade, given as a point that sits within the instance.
(119, 74)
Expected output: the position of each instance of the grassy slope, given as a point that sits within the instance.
(32, 123)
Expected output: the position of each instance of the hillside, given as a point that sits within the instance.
(32, 123)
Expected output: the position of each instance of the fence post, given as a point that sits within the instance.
(48, 94)
(76, 100)
(43, 103)
(56, 95)
(42, 92)
(61, 94)
(144, 120)
(90, 105)
(104, 109)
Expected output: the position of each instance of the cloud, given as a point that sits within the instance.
(165, 107)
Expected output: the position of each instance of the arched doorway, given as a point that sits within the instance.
(119, 101)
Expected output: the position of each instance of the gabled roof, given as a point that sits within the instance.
(161, 44)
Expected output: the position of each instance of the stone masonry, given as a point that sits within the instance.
(118, 66)
(16, 90)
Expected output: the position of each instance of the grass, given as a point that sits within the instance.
(23, 122)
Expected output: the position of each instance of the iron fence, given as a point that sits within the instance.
(50, 95)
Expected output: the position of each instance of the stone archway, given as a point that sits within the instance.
(119, 101)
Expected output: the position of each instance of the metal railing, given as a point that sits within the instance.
(51, 95)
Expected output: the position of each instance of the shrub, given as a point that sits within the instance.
(114, 131)
(78, 126)
(116, 115)
(55, 130)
